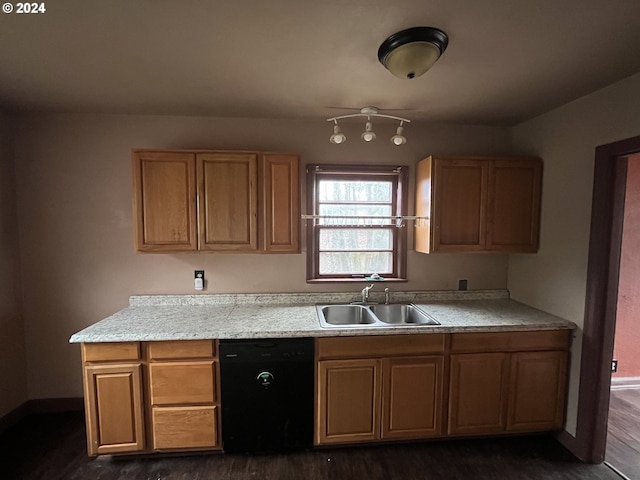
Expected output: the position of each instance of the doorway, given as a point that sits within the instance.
(623, 431)
(603, 273)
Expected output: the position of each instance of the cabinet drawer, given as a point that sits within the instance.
(181, 349)
(377, 346)
(185, 427)
(510, 341)
(182, 382)
(105, 352)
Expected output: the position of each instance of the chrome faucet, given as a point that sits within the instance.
(387, 296)
(365, 293)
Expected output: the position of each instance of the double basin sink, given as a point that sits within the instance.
(372, 315)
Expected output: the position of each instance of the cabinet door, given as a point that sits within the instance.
(164, 201)
(514, 205)
(459, 205)
(281, 203)
(412, 397)
(227, 201)
(537, 391)
(113, 403)
(477, 395)
(349, 401)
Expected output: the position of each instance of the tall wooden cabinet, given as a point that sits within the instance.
(216, 201)
(474, 204)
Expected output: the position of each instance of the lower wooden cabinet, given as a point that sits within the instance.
(348, 401)
(412, 397)
(478, 393)
(507, 389)
(536, 391)
(113, 399)
(183, 394)
(390, 396)
(154, 396)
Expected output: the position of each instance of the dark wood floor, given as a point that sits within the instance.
(52, 447)
(623, 439)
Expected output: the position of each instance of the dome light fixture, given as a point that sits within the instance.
(368, 135)
(410, 53)
(398, 138)
(338, 136)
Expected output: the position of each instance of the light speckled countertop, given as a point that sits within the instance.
(190, 317)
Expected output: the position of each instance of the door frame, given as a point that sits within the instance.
(603, 271)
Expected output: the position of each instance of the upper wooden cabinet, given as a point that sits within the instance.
(280, 203)
(228, 194)
(474, 204)
(164, 196)
(216, 201)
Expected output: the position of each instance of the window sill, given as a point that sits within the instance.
(356, 280)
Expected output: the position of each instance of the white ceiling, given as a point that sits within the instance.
(507, 60)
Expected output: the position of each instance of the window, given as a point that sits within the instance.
(354, 233)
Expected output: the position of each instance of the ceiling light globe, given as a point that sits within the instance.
(412, 60)
(410, 53)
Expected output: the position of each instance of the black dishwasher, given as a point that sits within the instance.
(267, 394)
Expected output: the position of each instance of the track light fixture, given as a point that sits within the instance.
(368, 135)
(411, 52)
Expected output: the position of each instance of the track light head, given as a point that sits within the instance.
(338, 136)
(368, 135)
(398, 138)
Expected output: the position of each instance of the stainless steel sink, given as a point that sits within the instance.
(341, 316)
(400, 314)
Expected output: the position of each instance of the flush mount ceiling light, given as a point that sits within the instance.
(411, 52)
(368, 135)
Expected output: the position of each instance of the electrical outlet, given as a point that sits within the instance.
(614, 366)
(462, 284)
(199, 279)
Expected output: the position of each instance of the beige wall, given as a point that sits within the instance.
(554, 280)
(13, 383)
(74, 207)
